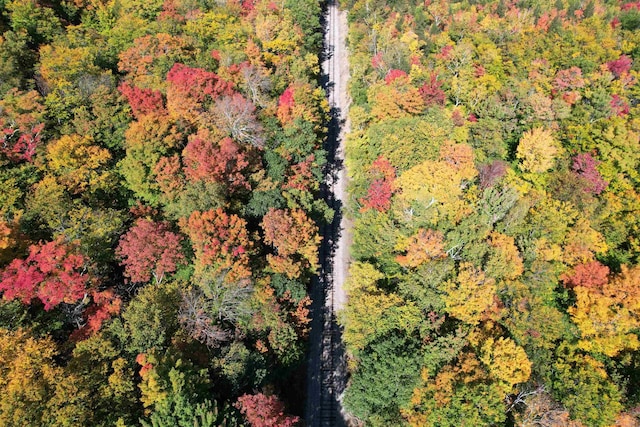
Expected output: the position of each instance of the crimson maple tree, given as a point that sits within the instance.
(431, 92)
(142, 101)
(382, 186)
(222, 162)
(20, 144)
(265, 411)
(105, 304)
(620, 66)
(149, 249)
(197, 83)
(619, 106)
(584, 165)
(189, 88)
(21, 125)
(394, 74)
(52, 273)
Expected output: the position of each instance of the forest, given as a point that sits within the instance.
(494, 158)
(160, 166)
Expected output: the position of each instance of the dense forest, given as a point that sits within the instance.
(159, 210)
(494, 156)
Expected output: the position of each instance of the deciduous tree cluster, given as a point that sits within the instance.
(159, 210)
(494, 159)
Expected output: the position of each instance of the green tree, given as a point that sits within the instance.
(582, 385)
(38, 21)
(150, 319)
(386, 373)
(96, 380)
(180, 408)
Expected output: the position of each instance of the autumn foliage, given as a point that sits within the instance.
(620, 66)
(220, 241)
(491, 280)
(265, 411)
(52, 273)
(142, 101)
(21, 125)
(590, 275)
(295, 238)
(585, 166)
(142, 147)
(223, 162)
(149, 249)
(431, 91)
(424, 246)
(190, 87)
(382, 186)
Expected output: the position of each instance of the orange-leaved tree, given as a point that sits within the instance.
(606, 313)
(295, 238)
(220, 241)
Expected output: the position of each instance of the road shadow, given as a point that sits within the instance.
(327, 374)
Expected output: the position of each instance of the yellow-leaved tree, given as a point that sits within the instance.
(504, 260)
(506, 361)
(464, 389)
(79, 164)
(607, 316)
(28, 378)
(470, 294)
(372, 312)
(537, 150)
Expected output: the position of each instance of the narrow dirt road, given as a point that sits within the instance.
(326, 373)
(339, 99)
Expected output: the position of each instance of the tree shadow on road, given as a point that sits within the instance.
(327, 376)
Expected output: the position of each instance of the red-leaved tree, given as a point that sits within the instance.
(265, 411)
(591, 275)
(52, 273)
(149, 249)
(620, 66)
(619, 106)
(584, 165)
(20, 144)
(394, 74)
(382, 186)
(142, 101)
(105, 304)
(189, 88)
(222, 162)
(21, 124)
(432, 93)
